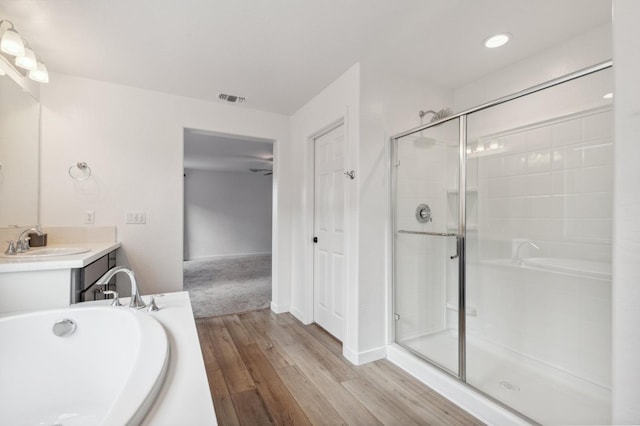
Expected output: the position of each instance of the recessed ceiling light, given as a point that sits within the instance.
(608, 95)
(497, 40)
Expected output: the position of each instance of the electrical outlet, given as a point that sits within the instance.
(136, 218)
(90, 217)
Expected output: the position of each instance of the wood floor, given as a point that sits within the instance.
(267, 369)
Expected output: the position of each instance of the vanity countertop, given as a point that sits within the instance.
(96, 251)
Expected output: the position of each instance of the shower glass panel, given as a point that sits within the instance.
(538, 258)
(426, 170)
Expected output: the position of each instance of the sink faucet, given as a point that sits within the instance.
(517, 258)
(136, 300)
(23, 242)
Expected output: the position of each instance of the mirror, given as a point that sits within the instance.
(19, 155)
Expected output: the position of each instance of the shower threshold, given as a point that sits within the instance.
(537, 390)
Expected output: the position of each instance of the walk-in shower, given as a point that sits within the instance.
(507, 285)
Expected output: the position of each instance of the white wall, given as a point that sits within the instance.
(133, 141)
(580, 52)
(626, 205)
(340, 101)
(375, 106)
(226, 213)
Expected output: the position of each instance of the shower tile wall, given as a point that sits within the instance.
(551, 184)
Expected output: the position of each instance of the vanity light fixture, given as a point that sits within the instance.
(12, 44)
(39, 74)
(11, 41)
(497, 40)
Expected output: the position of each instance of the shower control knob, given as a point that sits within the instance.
(423, 213)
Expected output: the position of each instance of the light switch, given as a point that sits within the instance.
(136, 218)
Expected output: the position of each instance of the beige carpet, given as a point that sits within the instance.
(228, 285)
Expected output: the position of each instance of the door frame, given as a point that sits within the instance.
(310, 228)
(333, 126)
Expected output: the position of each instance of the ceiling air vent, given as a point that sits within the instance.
(231, 98)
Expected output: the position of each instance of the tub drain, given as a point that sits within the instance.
(509, 386)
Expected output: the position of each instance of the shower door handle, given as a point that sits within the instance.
(457, 249)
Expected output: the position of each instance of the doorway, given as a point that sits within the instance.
(228, 221)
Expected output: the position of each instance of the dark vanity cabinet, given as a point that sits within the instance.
(83, 288)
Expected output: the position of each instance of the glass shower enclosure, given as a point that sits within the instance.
(502, 247)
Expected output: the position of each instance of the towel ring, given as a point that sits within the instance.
(80, 171)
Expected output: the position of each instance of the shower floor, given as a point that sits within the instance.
(539, 391)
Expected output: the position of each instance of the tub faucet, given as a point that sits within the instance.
(136, 300)
(517, 258)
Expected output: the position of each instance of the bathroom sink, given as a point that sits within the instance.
(39, 253)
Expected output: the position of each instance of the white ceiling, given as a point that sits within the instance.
(280, 53)
(227, 153)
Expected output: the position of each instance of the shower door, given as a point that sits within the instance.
(427, 242)
(502, 247)
(539, 257)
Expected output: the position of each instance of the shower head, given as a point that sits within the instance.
(421, 114)
(437, 115)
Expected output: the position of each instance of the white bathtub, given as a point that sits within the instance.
(107, 372)
(581, 267)
(589, 268)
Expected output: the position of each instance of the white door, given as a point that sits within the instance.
(329, 269)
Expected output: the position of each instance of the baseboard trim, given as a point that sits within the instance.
(359, 358)
(222, 256)
(454, 390)
(298, 314)
(279, 309)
